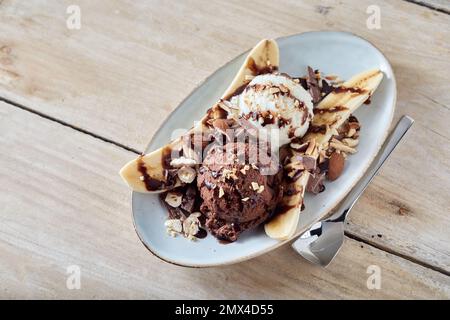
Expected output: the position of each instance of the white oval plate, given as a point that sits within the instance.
(337, 53)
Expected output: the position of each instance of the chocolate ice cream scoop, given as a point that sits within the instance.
(236, 195)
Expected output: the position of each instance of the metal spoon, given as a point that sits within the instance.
(322, 241)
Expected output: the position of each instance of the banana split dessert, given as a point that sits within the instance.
(271, 138)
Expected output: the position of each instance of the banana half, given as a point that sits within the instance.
(148, 173)
(330, 114)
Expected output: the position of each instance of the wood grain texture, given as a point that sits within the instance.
(130, 65)
(441, 5)
(63, 204)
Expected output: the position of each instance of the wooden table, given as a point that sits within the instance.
(77, 104)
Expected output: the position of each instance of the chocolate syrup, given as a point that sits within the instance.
(318, 129)
(201, 234)
(151, 184)
(350, 89)
(330, 110)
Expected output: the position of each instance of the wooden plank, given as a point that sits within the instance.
(442, 5)
(128, 66)
(63, 204)
(407, 203)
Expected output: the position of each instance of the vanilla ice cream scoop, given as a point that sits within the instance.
(276, 101)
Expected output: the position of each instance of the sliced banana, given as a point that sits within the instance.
(352, 95)
(283, 225)
(147, 173)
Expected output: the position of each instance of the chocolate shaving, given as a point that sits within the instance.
(315, 182)
(326, 88)
(313, 86)
(188, 202)
(309, 163)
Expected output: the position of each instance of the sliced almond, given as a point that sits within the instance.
(298, 146)
(255, 186)
(350, 142)
(274, 90)
(311, 146)
(342, 147)
(283, 88)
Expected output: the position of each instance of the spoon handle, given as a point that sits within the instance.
(389, 145)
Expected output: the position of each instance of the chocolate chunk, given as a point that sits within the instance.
(315, 182)
(326, 88)
(313, 86)
(189, 197)
(308, 162)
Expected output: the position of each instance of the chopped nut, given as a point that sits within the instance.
(228, 106)
(255, 186)
(283, 88)
(229, 174)
(191, 225)
(142, 178)
(245, 199)
(297, 80)
(260, 189)
(221, 192)
(311, 146)
(350, 142)
(186, 174)
(255, 167)
(172, 233)
(173, 225)
(173, 199)
(182, 161)
(298, 146)
(296, 103)
(342, 147)
(274, 90)
(351, 132)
